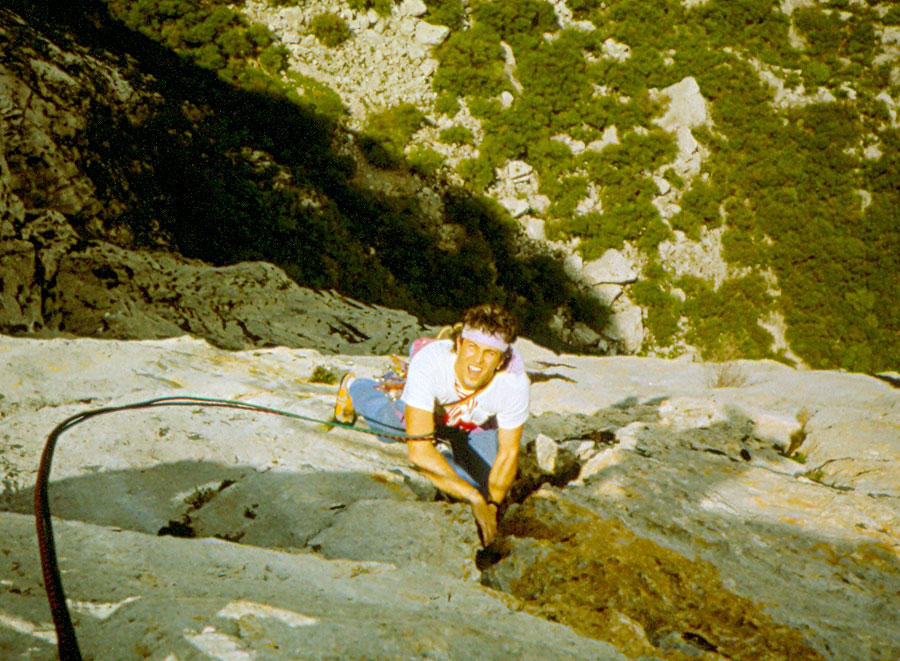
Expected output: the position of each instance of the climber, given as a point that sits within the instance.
(472, 393)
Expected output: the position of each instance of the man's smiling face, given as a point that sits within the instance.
(475, 363)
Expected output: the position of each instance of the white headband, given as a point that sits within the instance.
(490, 339)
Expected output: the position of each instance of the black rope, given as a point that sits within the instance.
(67, 642)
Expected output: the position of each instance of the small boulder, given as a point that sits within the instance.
(687, 107)
(546, 449)
(431, 35)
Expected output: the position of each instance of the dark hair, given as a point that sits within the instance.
(494, 319)
(490, 318)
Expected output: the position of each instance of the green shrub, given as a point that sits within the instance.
(726, 320)
(484, 108)
(330, 29)
(212, 35)
(456, 134)
(552, 159)
(210, 57)
(828, 35)
(235, 44)
(274, 58)
(446, 104)
(566, 195)
(599, 232)
(663, 310)
(323, 375)
(739, 248)
(582, 9)
(471, 63)
(387, 133)
(699, 208)
(478, 173)
(652, 230)
(424, 160)
(644, 21)
(557, 93)
(445, 12)
(259, 35)
(754, 24)
(316, 95)
(379, 153)
(520, 23)
(381, 7)
(673, 178)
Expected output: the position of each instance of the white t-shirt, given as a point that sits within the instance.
(431, 384)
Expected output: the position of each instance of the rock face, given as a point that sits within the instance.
(104, 291)
(388, 60)
(53, 282)
(656, 514)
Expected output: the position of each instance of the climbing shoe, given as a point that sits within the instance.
(343, 405)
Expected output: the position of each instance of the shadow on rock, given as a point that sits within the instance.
(381, 516)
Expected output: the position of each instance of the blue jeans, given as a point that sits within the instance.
(470, 454)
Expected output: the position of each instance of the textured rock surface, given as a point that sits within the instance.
(105, 291)
(50, 284)
(668, 522)
(386, 62)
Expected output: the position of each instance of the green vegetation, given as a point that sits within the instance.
(816, 475)
(663, 308)
(447, 104)
(699, 208)
(387, 133)
(424, 160)
(381, 7)
(315, 95)
(520, 23)
(726, 320)
(471, 63)
(323, 375)
(831, 37)
(458, 135)
(445, 12)
(215, 37)
(478, 173)
(330, 29)
(783, 182)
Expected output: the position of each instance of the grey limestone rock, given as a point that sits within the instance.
(671, 521)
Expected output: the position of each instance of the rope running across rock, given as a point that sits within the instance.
(67, 642)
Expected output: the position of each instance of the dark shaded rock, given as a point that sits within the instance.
(105, 291)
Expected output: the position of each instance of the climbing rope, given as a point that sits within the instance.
(67, 643)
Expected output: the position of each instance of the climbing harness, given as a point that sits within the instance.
(67, 643)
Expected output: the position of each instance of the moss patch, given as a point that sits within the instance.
(595, 566)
